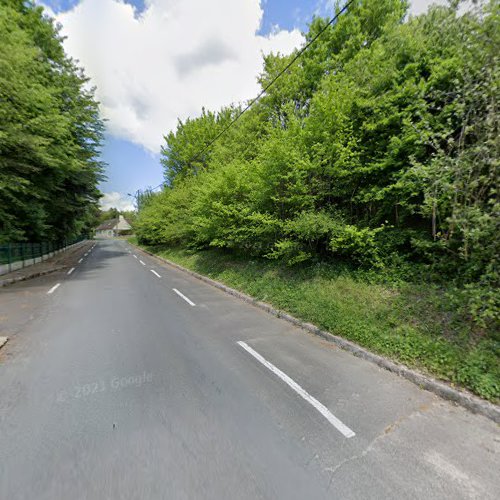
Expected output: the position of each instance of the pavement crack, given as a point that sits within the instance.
(353, 458)
(390, 428)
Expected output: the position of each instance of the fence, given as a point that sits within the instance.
(14, 256)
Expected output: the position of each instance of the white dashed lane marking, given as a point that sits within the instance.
(190, 302)
(54, 288)
(340, 426)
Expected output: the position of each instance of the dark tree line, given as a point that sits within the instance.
(50, 132)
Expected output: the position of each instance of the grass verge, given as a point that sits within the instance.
(417, 325)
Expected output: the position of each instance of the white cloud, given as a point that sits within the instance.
(116, 200)
(327, 7)
(169, 61)
(420, 6)
(173, 58)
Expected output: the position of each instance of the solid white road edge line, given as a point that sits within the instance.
(71, 270)
(340, 426)
(142, 263)
(54, 288)
(155, 273)
(190, 302)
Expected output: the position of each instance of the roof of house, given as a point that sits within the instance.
(107, 224)
(112, 223)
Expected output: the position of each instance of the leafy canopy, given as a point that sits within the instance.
(50, 132)
(380, 144)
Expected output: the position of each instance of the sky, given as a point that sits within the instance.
(154, 62)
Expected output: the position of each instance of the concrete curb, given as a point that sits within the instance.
(9, 281)
(3, 341)
(442, 389)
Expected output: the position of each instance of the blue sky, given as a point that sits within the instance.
(131, 166)
(285, 13)
(147, 80)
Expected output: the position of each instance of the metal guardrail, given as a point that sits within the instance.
(15, 256)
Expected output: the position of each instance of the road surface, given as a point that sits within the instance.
(130, 379)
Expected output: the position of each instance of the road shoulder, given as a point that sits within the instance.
(440, 388)
(23, 293)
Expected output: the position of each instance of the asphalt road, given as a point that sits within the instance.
(119, 386)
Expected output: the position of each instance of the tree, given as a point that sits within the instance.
(50, 131)
(380, 142)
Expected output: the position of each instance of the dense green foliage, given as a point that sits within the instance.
(378, 147)
(104, 215)
(50, 132)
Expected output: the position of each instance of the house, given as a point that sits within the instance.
(113, 227)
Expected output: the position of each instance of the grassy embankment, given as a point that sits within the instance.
(414, 324)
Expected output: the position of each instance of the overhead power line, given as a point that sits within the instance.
(273, 81)
(269, 85)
